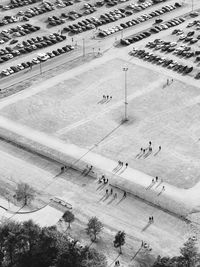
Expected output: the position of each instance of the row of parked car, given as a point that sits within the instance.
(188, 37)
(172, 47)
(18, 3)
(18, 31)
(162, 61)
(30, 45)
(63, 3)
(144, 34)
(40, 58)
(44, 7)
(140, 19)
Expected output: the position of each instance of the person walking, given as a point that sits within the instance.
(149, 219)
(156, 178)
(106, 191)
(111, 191)
(115, 195)
(126, 165)
(153, 181)
(150, 143)
(159, 148)
(152, 220)
(124, 196)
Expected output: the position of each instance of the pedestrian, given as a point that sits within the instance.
(172, 80)
(90, 168)
(167, 81)
(152, 219)
(124, 194)
(104, 96)
(150, 149)
(122, 163)
(115, 195)
(107, 97)
(106, 191)
(153, 181)
(149, 143)
(163, 188)
(156, 178)
(149, 219)
(141, 149)
(126, 165)
(111, 191)
(104, 180)
(159, 148)
(110, 97)
(62, 168)
(144, 151)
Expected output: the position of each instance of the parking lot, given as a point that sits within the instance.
(34, 31)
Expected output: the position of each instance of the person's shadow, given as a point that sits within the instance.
(146, 227)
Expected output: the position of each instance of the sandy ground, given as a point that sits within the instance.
(168, 117)
(65, 105)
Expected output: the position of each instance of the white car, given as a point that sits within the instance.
(43, 57)
(10, 70)
(5, 72)
(19, 66)
(35, 61)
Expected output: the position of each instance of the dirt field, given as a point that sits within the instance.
(70, 108)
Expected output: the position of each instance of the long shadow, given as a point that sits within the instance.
(100, 187)
(122, 171)
(145, 228)
(61, 172)
(156, 153)
(107, 196)
(138, 155)
(113, 170)
(148, 154)
(150, 186)
(118, 169)
(112, 199)
(160, 193)
(102, 197)
(114, 260)
(159, 184)
(120, 200)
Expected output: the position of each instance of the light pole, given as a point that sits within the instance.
(83, 47)
(40, 67)
(125, 69)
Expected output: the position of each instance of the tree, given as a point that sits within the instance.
(68, 217)
(119, 240)
(92, 258)
(94, 228)
(189, 252)
(24, 193)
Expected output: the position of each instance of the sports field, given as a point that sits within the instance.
(72, 109)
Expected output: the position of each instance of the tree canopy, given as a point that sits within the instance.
(28, 245)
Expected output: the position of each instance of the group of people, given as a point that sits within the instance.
(103, 180)
(107, 97)
(151, 219)
(149, 150)
(117, 263)
(120, 165)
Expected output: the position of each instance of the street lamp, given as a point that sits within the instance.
(125, 69)
(83, 47)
